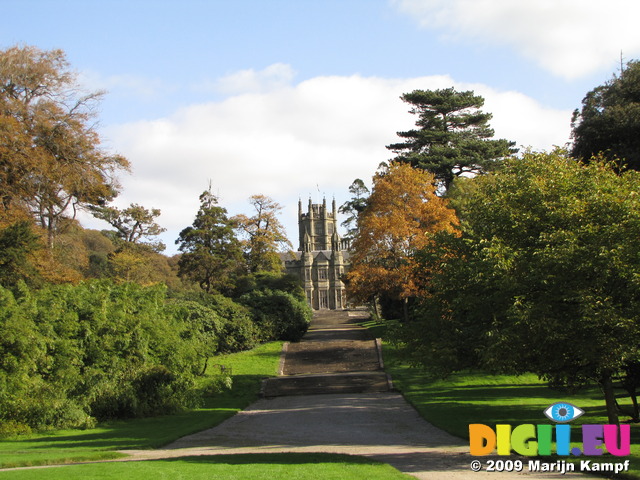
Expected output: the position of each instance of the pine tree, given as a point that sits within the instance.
(453, 138)
(212, 255)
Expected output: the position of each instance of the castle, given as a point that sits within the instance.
(322, 258)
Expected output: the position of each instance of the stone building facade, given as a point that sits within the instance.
(322, 257)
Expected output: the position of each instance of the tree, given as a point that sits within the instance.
(212, 255)
(402, 211)
(609, 121)
(17, 243)
(264, 235)
(544, 278)
(454, 137)
(134, 224)
(51, 162)
(354, 207)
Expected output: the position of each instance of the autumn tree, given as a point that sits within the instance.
(609, 120)
(264, 235)
(453, 135)
(51, 162)
(211, 253)
(402, 213)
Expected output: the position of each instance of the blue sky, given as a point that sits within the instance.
(296, 98)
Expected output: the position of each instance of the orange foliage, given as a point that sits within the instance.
(402, 213)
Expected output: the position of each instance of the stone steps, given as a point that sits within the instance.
(336, 355)
(351, 382)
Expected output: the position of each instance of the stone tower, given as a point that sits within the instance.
(321, 259)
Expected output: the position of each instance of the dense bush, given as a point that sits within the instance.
(74, 354)
(71, 354)
(279, 315)
(233, 326)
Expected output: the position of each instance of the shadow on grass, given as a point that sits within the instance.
(274, 458)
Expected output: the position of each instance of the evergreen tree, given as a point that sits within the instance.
(354, 207)
(609, 121)
(453, 138)
(212, 255)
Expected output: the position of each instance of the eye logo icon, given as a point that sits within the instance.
(563, 412)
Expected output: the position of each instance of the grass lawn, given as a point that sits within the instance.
(245, 466)
(65, 446)
(477, 397)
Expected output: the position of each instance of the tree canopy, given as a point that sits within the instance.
(212, 255)
(264, 235)
(544, 278)
(453, 136)
(51, 162)
(401, 212)
(354, 207)
(609, 121)
(134, 224)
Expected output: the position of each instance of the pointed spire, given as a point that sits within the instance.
(335, 241)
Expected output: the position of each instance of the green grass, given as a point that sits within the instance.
(477, 397)
(66, 446)
(376, 329)
(292, 466)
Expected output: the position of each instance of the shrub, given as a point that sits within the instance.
(70, 354)
(279, 315)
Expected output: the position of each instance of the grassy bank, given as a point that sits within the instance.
(65, 446)
(302, 466)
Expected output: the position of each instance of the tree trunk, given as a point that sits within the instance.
(204, 368)
(610, 399)
(375, 308)
(634, 400)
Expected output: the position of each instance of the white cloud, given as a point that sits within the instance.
(570, 38)
(271, 78)
(293, 142)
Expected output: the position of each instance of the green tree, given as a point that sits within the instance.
(134, 224)
(17, 243)
(51, 162)
(264, 235)
(211, 253)
(354, 207)
(453, 137)
(544, 278)
(609, 121)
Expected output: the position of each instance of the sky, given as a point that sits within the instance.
(294, 99)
